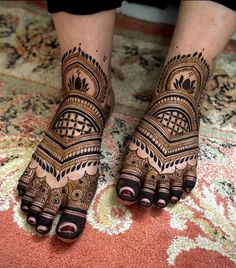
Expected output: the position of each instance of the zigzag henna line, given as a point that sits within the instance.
(70, 150)
(76, 60)
(138, 166)
(162, 162)
(61, 173)
(76, 143)
(61, 155)
(167, 148)
(68, 146)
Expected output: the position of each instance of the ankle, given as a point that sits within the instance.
(82, 73)
(186, 75)
(180, 91)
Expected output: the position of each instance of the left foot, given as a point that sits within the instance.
(160, 161)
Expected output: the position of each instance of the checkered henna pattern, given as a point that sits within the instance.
(64, 169)
(160, 161)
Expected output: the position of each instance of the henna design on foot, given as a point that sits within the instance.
(161, 158)
(63, 171)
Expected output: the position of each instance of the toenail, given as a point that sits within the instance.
(174, 199)
(25, 208)
(188, 190)
(145, 202)
(161, 202)
(127, 192)
(42, 229)
(67, 227)
(31, 220)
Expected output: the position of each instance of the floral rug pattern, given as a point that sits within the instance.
(199, 232)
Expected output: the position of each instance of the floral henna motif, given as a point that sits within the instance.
(64, 167)
(161, 158)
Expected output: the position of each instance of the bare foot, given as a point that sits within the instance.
(161, 159)
(64, 169)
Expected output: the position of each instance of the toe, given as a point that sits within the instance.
(176, 188)
(128, 185)
(79, 197)
(71, 224)
(52, 205)
(147, 194)
(30, 194)
(163, 193)
(190, 179)
(24, 180)
(44, 223)
(37, 204)
(176, 194)
(26, 203)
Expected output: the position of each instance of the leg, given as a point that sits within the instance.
(161, 158)
(64, 168)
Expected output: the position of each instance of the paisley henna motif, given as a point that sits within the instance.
(166, 139)
(64, 167)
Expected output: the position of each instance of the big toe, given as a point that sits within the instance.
(71, 224)
(129, 183)
(128, 187)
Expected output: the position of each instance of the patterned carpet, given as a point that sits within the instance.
(199, 232)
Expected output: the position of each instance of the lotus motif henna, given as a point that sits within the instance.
(166, 139)
(64, 168)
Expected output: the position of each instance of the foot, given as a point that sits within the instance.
(64, 169)
(160, 161)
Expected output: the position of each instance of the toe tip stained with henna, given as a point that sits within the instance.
(145, 202)
(161, 203)
(174, 199)
(31, 220)
(42, 229)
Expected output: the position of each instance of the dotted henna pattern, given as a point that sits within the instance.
(64, 167)
(167, 136)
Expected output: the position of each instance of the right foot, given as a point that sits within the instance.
(64, 169)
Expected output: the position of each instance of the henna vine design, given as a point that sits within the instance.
(64, 168)
(161, 158)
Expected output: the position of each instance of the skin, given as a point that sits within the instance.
(150, 173)
(153, 171)
(64, 169)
